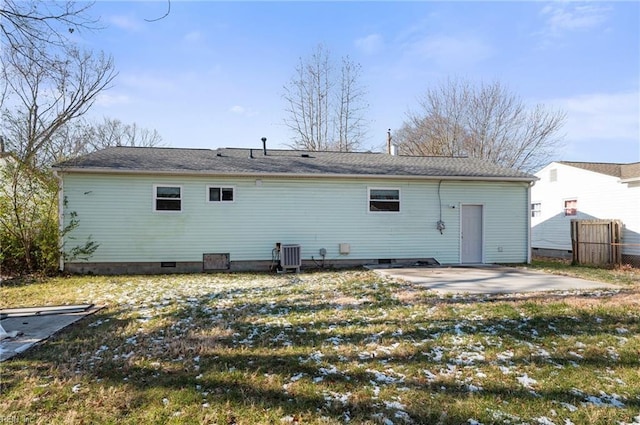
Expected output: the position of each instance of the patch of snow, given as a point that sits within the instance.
(505, 370)
(297, 377)
(613, 400)
(332, 370)
(394, 405)
(570, 407)
(468, 358)
(330, 397)
(430, 376)
(387, 377)
(473, 388)
(543, 353)
(525, 381)
(404, 416)
(436, 354)
(505, 355)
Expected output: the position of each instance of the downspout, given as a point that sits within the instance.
(60, 219)
(528, 211)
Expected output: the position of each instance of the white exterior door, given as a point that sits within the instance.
(471, 234)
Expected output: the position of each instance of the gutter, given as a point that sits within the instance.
(631, 180)
(291, 175)
(528, 212)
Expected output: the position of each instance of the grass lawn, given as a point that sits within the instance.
(326, 348)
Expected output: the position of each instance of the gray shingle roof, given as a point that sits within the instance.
(235, 161)
(621, 170)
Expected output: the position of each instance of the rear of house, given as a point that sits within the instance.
(585, 191)
(159, 210)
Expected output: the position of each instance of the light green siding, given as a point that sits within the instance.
(117, 212)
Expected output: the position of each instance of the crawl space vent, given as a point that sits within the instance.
(212, 262)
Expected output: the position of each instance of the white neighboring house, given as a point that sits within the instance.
(584, 190)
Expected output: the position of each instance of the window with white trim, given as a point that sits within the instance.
(167, 198)
(536, 209)
(384, 199)
(220, 193)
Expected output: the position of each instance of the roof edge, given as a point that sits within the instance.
(61, 170)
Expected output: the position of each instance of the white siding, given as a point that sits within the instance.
(599, 196)
(117, 212)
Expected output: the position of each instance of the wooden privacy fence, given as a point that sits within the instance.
(596, 242)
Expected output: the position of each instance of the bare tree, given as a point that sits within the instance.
(485, 121)
(46, 83)
(113, 132)
(351, 126)
(307, 98)
(83, 136)
(324, 113)
(44, 97)
(27, 25)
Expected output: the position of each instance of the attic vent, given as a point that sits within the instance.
(305, 155)
(290, 257)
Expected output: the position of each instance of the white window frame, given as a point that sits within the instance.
(221, 187)
(536, 212)
(155, 198)
(369, 189)
(564, 207)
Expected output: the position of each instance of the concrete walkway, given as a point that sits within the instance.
(487, 279)
(36, 324)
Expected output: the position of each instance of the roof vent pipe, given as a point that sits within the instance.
(389, 141)
(264, 146)
(250, 153)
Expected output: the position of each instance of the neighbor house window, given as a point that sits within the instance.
(220, 194)
(167, 198)
(384, 200)
(536, 209)
(571, 207)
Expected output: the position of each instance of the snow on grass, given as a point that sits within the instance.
(342, 347)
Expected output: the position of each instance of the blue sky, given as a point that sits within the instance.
(211, 74)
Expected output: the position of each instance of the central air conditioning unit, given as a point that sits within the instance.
(290, 257)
